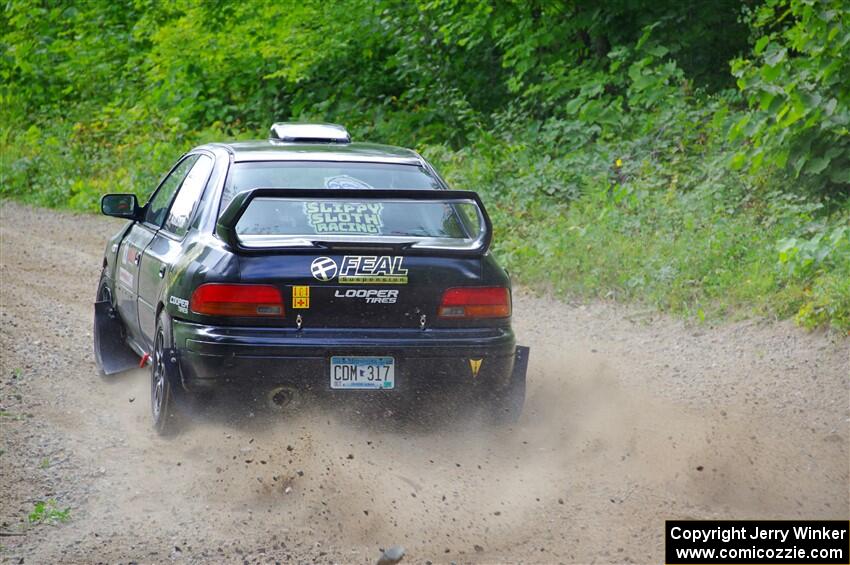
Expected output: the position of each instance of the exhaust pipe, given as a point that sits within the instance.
(282, 397)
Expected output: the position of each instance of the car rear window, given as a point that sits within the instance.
(294, 222)
(324, 174)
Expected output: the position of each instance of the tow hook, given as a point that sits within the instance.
(144, 360)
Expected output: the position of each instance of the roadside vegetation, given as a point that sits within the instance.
(692, 157)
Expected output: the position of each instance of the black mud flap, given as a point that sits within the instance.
(171, 363)
(111, 352)
(520, 363)
(507, 403)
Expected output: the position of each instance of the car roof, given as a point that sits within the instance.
(273, 150)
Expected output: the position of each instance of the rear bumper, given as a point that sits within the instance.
(218, 356)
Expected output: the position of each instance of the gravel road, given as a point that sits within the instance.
(632, 418)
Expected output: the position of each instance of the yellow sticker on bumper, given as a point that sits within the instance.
(300, 296)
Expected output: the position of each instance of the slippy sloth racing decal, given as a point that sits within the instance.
(345, 217)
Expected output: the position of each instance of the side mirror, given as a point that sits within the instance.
(120, 206)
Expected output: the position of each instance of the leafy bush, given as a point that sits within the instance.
(798, 85)
(617, 157)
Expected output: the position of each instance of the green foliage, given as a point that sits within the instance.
(797, 82)
(616, 155)
(47, 512)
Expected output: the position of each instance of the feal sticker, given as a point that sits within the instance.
(372, 269)
(345, 217)
(361, 269)
(300, 297)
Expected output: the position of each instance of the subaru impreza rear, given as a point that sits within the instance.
(336, 269)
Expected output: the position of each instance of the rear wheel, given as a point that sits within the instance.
(164, 401)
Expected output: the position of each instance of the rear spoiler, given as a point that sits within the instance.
(230, 216)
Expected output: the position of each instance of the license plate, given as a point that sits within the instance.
(363, 373)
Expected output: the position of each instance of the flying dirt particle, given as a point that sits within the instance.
(391, 555)
(300, 473)
(366, 512)
(289, 448)
(477, 548)
(350, 456)
(560, 501)
(700, 468)
(497, 513)
(132, 399)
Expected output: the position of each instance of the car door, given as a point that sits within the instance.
(167, 244)
(137, 241)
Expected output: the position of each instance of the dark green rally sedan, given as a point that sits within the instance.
(306, 264)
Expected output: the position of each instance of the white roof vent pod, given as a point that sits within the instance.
(294, 132)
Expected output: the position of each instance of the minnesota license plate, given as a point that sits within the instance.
(362, 372)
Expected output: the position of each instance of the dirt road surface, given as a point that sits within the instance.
(631, 419)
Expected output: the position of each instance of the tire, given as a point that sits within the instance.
(103, 293)
(165, 409)
(505, 406)
(103, 290)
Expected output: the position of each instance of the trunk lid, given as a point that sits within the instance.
(367, 291)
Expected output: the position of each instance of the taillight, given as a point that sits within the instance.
(476, 302)
(247, 300)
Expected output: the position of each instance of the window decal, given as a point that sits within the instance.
(345, 217)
